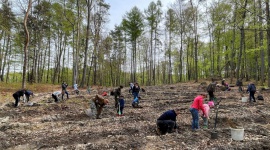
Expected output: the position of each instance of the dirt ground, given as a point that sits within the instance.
(65, 125)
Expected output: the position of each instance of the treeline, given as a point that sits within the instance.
(190, 40)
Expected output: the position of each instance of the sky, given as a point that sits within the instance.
(120, 7)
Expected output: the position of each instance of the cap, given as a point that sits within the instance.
(211, 104)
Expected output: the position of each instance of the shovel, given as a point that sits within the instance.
(214, 134)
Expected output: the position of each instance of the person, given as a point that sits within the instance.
(239, 83)
(64, 89)
(104, 93)
(76, 89)
(135, 102)
(99, 102)
(194, 109)
(136, 90)
(166, 123)
(27, 94)
(252, 90)
(206, 116)
(211, 89)
(131, 87)
(88, 89)
(117, 93)
(17, 96)
(56, 96)
(121, 105)
(226, 85)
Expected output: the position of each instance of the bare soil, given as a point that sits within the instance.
(65, 125)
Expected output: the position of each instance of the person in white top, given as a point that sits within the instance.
(76, 88)
(56, 96)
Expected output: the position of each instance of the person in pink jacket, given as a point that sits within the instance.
(206, 116)
(194, 109)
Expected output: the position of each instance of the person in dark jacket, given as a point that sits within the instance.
(64, 89)
(17, 96)
(166, 123)
(135, 90)
(117, 93)
(121, 105)
(252, 90)
(211, 89)
(28, 93)
(100, 102)
(239, 83)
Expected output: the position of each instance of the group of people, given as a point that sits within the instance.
(119, 102)
(166, 123)
(21, 93)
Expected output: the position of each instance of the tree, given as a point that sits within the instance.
(171, 25)
(133, 26)
(26, 44)
(89, 5)
(153, 17)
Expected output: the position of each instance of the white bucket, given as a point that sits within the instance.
(244, 99)
(237, 133)
(88, 112)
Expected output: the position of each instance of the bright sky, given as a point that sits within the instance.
(120, 7)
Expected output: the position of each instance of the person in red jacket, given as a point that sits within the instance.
(194, 109)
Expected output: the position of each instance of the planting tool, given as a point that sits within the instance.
(214, 133)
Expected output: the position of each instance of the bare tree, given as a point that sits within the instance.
(26, 43)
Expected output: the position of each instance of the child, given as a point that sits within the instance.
(206, 115)
(121, 105)
(135, 103)
(28, 93)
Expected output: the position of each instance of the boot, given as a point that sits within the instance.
(97, 117)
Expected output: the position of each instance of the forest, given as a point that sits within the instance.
(50, 41)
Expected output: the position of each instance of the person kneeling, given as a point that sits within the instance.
(166, 123)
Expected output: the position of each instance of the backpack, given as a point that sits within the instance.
(260, 97)
(252, 88)
(211, 87)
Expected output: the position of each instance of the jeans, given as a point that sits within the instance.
(166, 126)
(136, 94)
(195, 118)
(63, 93)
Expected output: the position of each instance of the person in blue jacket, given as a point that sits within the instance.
(135, 102)
(28, 93)
(166, 123)
(121, 105)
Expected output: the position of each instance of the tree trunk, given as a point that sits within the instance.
(261, 45)
(268, 38)
(26, 44)
(89, 4)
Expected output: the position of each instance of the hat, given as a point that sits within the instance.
(223, 79)
(211, 104)
(104, 94)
